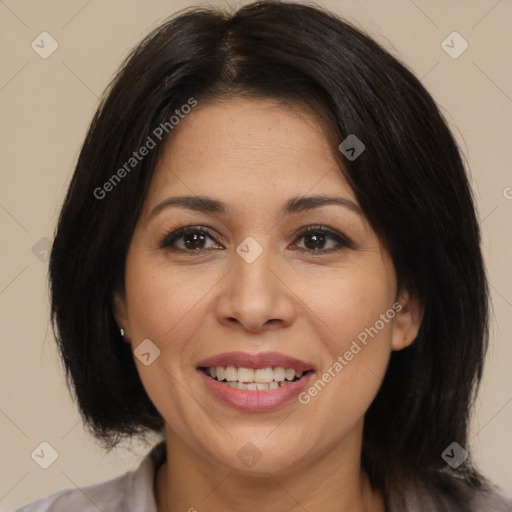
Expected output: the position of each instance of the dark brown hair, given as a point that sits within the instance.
(410, 181)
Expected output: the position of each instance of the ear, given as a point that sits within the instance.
(120, 312)
(409, 315)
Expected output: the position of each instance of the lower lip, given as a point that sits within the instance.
(255, 400)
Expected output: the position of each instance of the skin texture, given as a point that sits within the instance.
(254, 155)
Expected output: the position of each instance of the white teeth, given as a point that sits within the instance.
(290, 374)
(253, 386)
(245, 375)
(259, 379)
(279, 374)
(221, 373)
(264, 375)
(231, 374)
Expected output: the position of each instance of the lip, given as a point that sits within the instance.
(255, 361)
(254, 400)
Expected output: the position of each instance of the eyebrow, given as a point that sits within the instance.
(293, 205)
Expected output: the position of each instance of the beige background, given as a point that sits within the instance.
(46, 106)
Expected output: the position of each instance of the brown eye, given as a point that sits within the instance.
(317, 237)
(191, 239)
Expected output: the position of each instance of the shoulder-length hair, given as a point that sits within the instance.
(410, 181)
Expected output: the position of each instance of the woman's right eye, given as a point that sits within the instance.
(191, 239)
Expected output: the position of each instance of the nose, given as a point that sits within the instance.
(255, 296)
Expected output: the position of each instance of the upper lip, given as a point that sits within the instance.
(255, 361)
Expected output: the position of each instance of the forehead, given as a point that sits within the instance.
(248, 150)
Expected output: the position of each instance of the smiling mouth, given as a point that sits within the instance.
(254, 379)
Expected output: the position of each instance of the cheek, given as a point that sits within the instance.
(356, 342)
(348, 305)
(166, 306)
(162, 301)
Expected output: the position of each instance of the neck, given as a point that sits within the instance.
(332, 482)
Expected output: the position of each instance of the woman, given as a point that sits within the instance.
(269, 254)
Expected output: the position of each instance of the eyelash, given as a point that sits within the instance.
(169, 238)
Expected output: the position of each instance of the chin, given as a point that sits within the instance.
(258, 458)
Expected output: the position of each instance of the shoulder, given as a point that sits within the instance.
(490, 502)
(420, 498)
(132, 491)
(85, 499)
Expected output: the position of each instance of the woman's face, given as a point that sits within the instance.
(255, 283)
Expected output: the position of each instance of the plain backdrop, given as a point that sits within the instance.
(46, 106)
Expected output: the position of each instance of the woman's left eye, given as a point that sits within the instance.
(194, 239)
(316, 237)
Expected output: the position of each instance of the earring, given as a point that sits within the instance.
(122, 332)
